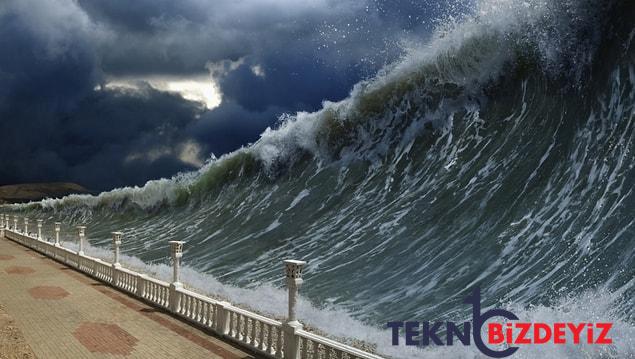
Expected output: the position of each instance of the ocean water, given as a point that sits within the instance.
(498, 154)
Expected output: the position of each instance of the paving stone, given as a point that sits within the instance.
(93, 320)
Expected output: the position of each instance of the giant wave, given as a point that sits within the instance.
(499, 154)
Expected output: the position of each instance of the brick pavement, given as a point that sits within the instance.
(65, 314)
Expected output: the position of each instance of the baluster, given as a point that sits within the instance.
(209, 310)
(246, 336)
(192, 311)
(253, 332)
(189, 306)
(279, 346)
(270, 339)
(214, 316)
(305, 345)
(261, 343)
(327, 351)
(230, 319)
(235, 321)
(238, 323)
(202, 318)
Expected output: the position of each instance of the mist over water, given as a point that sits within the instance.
(501, 154)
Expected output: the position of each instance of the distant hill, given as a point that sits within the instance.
(20, 193)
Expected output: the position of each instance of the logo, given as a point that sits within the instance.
(513, 333)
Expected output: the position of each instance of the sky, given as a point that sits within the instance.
(111, 93)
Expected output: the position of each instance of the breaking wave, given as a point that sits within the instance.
(499, 154)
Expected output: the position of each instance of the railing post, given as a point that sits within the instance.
(58, 225)
(82, 234)
(2, 225)
(141, 285)
(26, 226)
(293, 271)
(116, 242)
(15, 223)
(39, 229)
(176, 248)
(222, 323)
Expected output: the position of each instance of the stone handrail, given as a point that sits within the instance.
(312, 346)
(260, 334)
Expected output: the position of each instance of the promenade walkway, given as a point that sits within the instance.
(62, 313)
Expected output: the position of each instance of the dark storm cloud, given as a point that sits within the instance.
(266, 57)
(231, 125)
(109, 138)
(183, 36)
(56, 127)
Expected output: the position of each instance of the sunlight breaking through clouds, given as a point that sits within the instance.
(199, 88)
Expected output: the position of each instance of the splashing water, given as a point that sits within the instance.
(499, 154)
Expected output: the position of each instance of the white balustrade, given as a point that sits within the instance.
(265, 336)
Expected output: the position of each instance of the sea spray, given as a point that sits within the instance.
(500, 154)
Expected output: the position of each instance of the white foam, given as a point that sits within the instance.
(591, 306)
(490, 33)
(298, 198)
